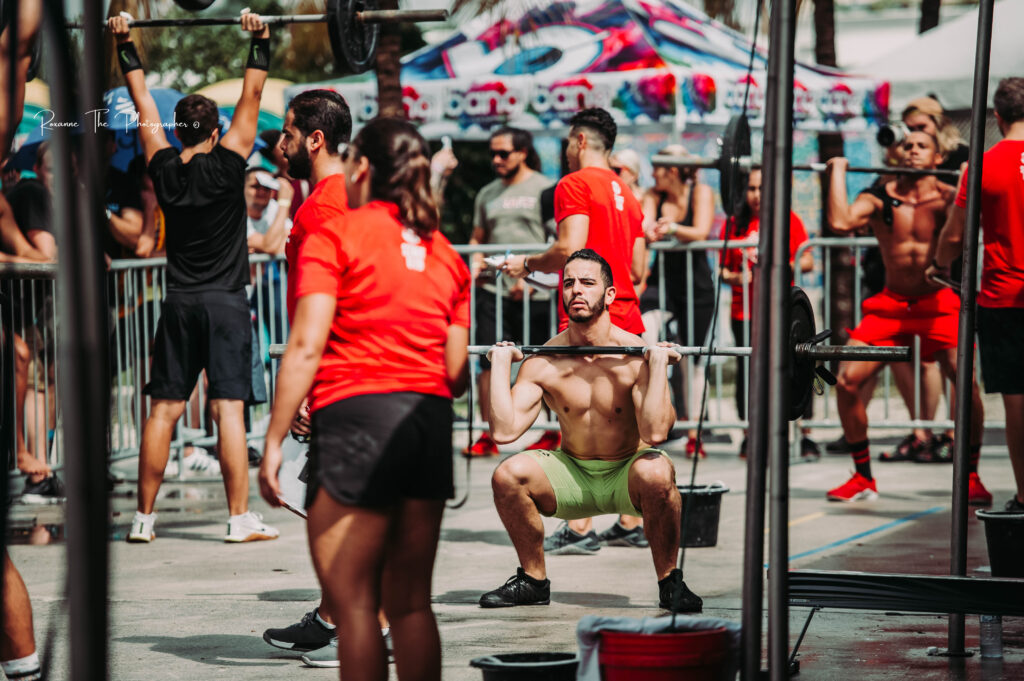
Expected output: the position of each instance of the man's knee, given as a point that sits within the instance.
(167, 410)
(653, 474)
(227, 409)
(515, 472)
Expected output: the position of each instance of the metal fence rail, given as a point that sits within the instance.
(135, 289)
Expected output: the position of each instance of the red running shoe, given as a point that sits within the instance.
(485, 446)
(691, 449)
(977, 495)
(549, 441)
(857, 488)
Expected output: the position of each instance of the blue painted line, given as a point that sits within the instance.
(866, 533)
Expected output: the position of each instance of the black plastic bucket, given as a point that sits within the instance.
(528, 666)
(702, 506)
(1004, 534)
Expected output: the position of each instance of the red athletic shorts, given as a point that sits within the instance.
(892, 319)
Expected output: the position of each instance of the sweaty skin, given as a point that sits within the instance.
(908, 245)
(608, 406)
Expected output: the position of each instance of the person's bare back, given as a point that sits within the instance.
(595, 397)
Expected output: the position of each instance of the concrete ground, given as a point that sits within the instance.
(189, 606)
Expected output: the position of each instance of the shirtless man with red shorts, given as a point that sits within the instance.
(905, 216)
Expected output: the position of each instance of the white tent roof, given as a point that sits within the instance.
(941, 61)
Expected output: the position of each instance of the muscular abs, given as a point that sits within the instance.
(593, 398)
(908, 244)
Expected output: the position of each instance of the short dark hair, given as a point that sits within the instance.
(197, 117)
(271, 137)
(599, 122)
(522, 140)
(326, 111)
(593, 256)
(1009, 99)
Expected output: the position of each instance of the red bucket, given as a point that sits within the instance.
(689, 655)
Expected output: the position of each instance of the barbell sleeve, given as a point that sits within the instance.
(854, 353)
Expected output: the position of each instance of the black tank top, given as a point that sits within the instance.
(676, 280)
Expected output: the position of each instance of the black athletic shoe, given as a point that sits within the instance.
(565, 542)
(1014, 506)
(255, 457)
(617, 535)
(840, 446)
(46, 491)
(521, 589)
(809, 448)
(675, 596)
(305, 635)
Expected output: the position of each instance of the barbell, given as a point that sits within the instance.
(805, 347)
(353, 26)
(735, 164)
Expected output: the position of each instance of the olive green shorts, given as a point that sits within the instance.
(585, 488)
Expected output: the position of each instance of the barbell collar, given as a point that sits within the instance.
(383, 16)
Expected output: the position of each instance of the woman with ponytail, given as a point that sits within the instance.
(380, 335)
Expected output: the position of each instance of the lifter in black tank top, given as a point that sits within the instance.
(682, 209)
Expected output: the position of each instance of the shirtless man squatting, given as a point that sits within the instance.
(612, 410)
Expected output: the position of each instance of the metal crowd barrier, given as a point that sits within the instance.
(135, 289)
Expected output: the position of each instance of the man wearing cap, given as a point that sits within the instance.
(267, 225)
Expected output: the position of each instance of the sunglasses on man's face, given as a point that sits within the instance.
(503, 154)
(617, 170)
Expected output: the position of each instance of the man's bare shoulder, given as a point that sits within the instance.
(623, 337)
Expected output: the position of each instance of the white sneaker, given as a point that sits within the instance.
(200, 463)
(142, 528)
(249, 527)
(324, 657)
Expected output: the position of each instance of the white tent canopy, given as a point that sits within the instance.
(941, 61)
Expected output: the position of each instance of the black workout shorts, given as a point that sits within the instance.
(485, 310)
(1002, 362)
(375, 450)
(209, 330)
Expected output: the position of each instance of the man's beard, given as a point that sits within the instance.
(507, 173)
(299, 165)
(583, 317)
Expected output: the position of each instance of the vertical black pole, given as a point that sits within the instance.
(968, 296)
(85, 381)
(778, 169)
(757, 438)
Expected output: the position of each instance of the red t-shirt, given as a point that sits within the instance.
(396, 298)
(327, 202)
(616, 222)
(1002, 221)
(734, 260)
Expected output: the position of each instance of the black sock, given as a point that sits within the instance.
(861, 453)
(973, 454)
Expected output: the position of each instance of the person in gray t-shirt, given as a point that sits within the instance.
(507, 211)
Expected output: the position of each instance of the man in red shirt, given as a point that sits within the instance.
(316, 124)
(1001, 296)
(595, 209)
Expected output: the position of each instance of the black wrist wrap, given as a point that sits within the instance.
(127, 57)
(259, 54)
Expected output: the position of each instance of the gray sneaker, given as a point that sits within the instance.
(617, 535)
(565, 542)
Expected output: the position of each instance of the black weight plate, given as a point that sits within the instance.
(801, 329)
(193, 5)
(353, 42)
(733, 177)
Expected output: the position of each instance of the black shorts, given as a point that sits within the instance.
(485, 310)
(375, 450)
(1002, 362)
(209, 330)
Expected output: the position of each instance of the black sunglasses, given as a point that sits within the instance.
(503, 154)
(617, 170)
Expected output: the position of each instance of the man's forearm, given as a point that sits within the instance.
(551, 260)
(950, 244)
(656, 412)
(838, 207)
(502, 417)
